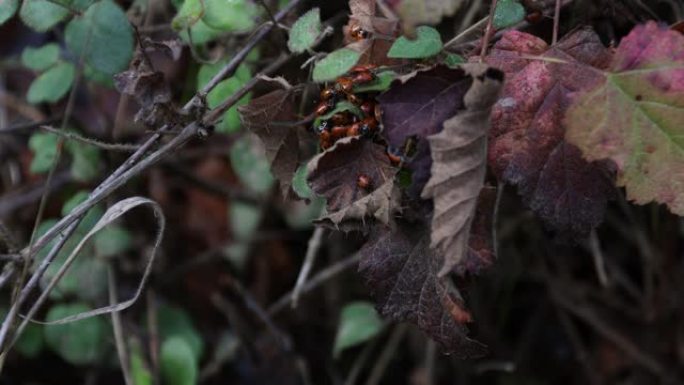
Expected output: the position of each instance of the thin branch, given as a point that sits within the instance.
(479, 24)
(314, 246)
(599, 261)
(28, 126)
(317, 280)
(556, 21)
(387, 354)
(121, 147)
(489, 31)
(121, 346)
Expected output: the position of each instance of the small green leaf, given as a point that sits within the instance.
(359, 322)
(30, 344)
(85, 161)
(454, 60)
(336, 64)
(178, 364)
(44, 148)
(299, 184)
(305, 31)
(250, 164)
(300, 215)
(427, 43)
(230, 15)
(7, 9)
(40, 59)
(189, 13)
(111, 241)
(92, 216)
(341, 106)
(175, 322)
(52, 84)
(41, 15)
(508, 13)
(244, 219)
(104, 35)
(201, 33)
(140, 373)
(79, 343)
(225, 89)
(78, 5)
(382, 82)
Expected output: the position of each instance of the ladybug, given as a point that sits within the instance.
(368, 108)
(357, 33)
(362, 68)
(323, 107)
(354, 129)
(341, 119)
(345, 84)
(338, 132)
(363, 77)
(354, 99)
(393, 156)
(328, 93)
(325, 139)
(364, 182)
(534, 17)
(368, 126)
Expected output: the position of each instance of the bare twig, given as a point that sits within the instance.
(121, 347)
(318, 279)
(479, 24)
(599, 261)
(361, 361)
(556, 21)
(489, 31)
(122, 147)
(387, 354)
(314, 246)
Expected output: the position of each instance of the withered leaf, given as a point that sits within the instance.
(480, 254)
(459, 164)
(380, 204)
(268, 117)
(374, 50)
(334, 173)
(527, 146)
(417, 105)
(400, 269)
(635, 116)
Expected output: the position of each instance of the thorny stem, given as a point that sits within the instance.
(489, 31)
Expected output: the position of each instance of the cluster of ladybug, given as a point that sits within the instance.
(331, 128)
(345, 123)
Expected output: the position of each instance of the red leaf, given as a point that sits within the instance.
(401, 271)
(527, 146)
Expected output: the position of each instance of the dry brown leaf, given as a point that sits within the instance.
(459, 161)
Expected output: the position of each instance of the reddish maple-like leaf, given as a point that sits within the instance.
(417, 105)
(400, 269)
(267, 116)
(527, 146)
(635, 116)
(334, 175)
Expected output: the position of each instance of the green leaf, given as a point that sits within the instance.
(78, 5)
(244, 219)
(139, 371)
(52, 84)
(341, 106)
(359, 322)
(299, 184)
(201, 33)
(300, 215)
(175, 322)
(44, 148)
(41, 15)
(42, 58)
(85, 161)
(30, 344)
(92, 216)
(230, 15)
(104, 35)
(381, 82)
(7, 9)
(250, 164)
(111, 241)
(225, 89)
(305, 31)
(79, 343)
(189, 13)
(454, 60)
(336, 64)
(508, 13)
(427, 43)
(178, 364)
